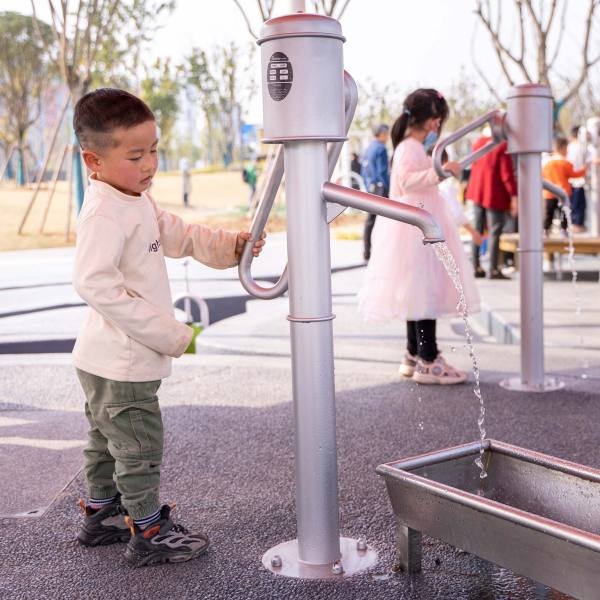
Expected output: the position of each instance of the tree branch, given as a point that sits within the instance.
(247, 20)
(479, 70)
(586, 64)
(343, 9)
(498, 47)
(563, 24)
(76, 32)
(519, 4)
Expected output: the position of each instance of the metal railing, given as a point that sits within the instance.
(269, 192)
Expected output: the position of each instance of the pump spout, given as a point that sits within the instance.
(391, 209)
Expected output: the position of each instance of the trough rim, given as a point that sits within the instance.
(400, 470)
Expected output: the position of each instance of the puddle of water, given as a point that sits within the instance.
(445, 256)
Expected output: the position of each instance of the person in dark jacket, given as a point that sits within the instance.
(493, 190)
(376, 174)
(355, 167)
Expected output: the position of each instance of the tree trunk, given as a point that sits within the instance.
(20, 167)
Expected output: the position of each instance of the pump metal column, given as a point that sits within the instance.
(593, 143)
(307, 106)
(529, 132)
(303, 100)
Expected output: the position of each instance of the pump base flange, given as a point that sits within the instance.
(352, 561)
(515, 384)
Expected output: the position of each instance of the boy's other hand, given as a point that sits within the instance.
(245, 236)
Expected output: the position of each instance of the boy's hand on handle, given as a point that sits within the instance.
(246, 236)
(514, 207)
(453, 167)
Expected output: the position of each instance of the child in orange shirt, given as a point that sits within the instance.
(558, 170)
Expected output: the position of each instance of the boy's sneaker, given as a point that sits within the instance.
(163, 542)
(407, 366)
(438, 372)
(104, 525)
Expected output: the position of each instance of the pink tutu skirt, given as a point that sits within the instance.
(404, 279)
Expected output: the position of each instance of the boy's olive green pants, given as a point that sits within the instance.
(125, 442)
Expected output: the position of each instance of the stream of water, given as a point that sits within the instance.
(571, 260)
(447, 259)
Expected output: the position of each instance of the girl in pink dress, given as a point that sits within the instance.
(404, 279)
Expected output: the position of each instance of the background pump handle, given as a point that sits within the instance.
(494, 118)
(269, 191)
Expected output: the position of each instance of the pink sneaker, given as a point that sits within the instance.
(438, 372)
(407, 366)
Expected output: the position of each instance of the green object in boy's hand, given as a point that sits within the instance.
(191, 349)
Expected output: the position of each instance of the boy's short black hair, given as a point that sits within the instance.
(99, 113)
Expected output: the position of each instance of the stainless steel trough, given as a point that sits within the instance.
(534, 514)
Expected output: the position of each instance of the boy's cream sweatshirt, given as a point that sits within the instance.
(131, 333)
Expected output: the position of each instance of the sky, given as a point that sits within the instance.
(406, 42)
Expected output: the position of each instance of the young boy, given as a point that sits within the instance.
(558, 170)
(125, 346)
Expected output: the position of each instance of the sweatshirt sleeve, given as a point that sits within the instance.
(409, 177)
(214, 248)
(415, 181)
(98, 280)
(573, 173)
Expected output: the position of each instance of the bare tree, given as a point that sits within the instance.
(331, 8)
(529, 51)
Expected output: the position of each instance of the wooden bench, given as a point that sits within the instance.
(509, 242)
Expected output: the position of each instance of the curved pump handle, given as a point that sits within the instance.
(268, 193)
(556, 191)
(494, 118)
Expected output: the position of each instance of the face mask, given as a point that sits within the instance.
(430, 140)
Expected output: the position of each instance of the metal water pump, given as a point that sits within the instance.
(308, 105)
(527, 126)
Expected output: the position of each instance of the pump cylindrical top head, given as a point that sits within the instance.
(529, 119)
(302, 78)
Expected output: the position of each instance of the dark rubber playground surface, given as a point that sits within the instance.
(229, 466)
(229, 460)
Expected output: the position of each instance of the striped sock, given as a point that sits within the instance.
(146, 521)
(97, 503)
